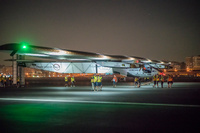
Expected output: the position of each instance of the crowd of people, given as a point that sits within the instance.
(96, 81)
(7, 80)
(161, 79)
(156, 80)
(72, 81)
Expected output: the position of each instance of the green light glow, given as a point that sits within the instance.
(24, 45)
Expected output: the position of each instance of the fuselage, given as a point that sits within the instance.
(136, 72)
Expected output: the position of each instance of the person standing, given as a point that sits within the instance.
(10, 80)
(114, 81)
(99, 80)
(136, 81)
(66, 81)
(139, 82)
(72, 81)
(147, 79)
(170, 81)
(18, 82)
(162, 79)
(95, 82)
(4, 81)
(154, 81)
(157, 79)
(92, 81)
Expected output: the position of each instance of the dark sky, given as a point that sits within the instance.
(155, 29)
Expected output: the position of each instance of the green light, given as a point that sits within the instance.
(24, 45)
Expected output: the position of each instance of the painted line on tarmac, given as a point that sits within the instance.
(99, 102)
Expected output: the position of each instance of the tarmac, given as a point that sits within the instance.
(122, 109)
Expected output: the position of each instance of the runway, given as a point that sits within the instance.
(121, 109)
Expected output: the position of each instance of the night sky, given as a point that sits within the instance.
(155, 29)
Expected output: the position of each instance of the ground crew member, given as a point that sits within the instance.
(139, 82)
(154, 80)
(170, 81)
(66, 81)
(10, 80)
(147, 79)
(114, 81)
(72, 81)
(162, 79)
(99, 81)
(4, 81)
(136, 81)
(95, 82)
(92, 81)
(157, 79)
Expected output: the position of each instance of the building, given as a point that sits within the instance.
(176, 65)
(196, 62)
(189, 62)
(193, 63)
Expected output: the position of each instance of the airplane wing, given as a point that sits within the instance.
(71, 61)
(72, 55)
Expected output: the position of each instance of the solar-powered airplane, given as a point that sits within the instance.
(70, 61)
